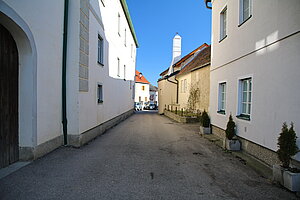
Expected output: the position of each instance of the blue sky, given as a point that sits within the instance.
(156, 23)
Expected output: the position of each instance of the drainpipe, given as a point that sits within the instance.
(177, 90)
(64, 68)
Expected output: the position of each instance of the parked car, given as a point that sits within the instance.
(151, 106)
(138, 106)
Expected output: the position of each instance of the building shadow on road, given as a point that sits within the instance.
(146, 112)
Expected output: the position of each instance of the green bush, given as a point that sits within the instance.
(230, 129)
(287, 145)
(205, 121)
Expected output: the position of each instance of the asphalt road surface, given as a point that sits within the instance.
(147, 156)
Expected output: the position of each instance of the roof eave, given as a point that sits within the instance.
(126, 11)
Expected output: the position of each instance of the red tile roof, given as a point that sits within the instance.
(201, 59)
(140, 79)
(185, 58)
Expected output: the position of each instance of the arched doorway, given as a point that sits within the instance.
(9, 90)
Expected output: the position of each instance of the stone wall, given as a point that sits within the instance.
(261, 153)
(179, 118)
(84, 47)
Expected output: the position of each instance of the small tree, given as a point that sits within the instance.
(205, 121)
(287, 145)
(193, 98)
(230, 129)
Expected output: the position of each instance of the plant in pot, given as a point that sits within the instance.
(232, 143)
(204, 123)
(287, 144)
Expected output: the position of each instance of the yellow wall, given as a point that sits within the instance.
(167, 94)
(199, 78)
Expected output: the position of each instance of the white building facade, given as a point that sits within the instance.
(98, 54)
(255, 71)
(142, 88)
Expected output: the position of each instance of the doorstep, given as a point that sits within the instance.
(12, 168)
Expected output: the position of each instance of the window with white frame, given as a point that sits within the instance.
(245, 10)
(222, 98)
(100, 50)
(118, 70)
(100, 93)
(223, 23)
(245, 100)
(119, 24)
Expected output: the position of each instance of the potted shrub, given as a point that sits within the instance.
(204, 123)
(232, 143)
(284, 174)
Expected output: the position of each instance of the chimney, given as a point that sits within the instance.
(176, 48)
(176, 52)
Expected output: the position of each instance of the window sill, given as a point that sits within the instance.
(100, 63)
(243, 117)
(223, 38)
(244, 21)
(222, 112)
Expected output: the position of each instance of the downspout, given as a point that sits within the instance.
(177, 90)
(64, 74)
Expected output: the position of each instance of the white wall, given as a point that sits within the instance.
(142, 93)
(117, 91)
(46, 28)
(274, 69)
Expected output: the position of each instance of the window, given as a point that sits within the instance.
(124, 72)
(223, 24)
(119, 24)
(100, 93)
(140, 99)
(118, 72)
(181, 88)
(143, 88)
(125, 37)
(185, 86)
(245, 98)
(100, 50)
(222, 98)
(145, 99)
(245, 10)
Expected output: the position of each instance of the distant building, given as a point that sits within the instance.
(167, 85)
(142, 88)
(184, 74)
(153, 94)
(193, 81)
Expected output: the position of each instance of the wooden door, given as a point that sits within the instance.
(9, 77)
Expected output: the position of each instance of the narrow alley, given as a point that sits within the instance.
(146, 156)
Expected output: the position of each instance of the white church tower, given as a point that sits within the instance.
(176, 52)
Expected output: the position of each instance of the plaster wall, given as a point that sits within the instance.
(139, 92)
(46, 30)
(264, 48)
(201, 79)
(167, 93)
(183, 96)
(117, 90)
